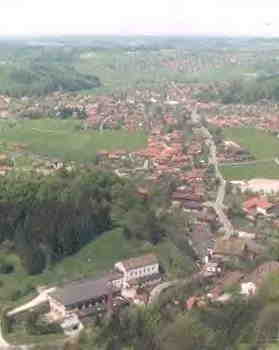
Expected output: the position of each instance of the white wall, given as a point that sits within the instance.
(142, 272)
(117, 283)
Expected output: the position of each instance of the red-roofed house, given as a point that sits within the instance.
(256, 205)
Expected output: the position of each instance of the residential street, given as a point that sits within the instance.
(218, 204)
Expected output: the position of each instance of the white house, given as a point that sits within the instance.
(137, 268)
(248, 288)
(211, 269)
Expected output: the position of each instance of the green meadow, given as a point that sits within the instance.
(262, 145)
(63, 138)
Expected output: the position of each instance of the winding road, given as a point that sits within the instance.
(218, 205)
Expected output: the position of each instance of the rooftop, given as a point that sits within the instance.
(259, 202)
(80, 291)
(133, 263)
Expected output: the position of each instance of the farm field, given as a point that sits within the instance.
(268, 170)
(262, 145)
(62, 139)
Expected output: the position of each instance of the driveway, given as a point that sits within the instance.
(40, 299)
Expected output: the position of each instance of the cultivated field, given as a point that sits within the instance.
(262, 145)
(63, 139)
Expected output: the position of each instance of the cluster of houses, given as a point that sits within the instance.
(245, 284)
(166, 155)
(239, 248)
(261, 116)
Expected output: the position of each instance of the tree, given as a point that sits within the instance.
(34, 260)
(186, 333)
(269, 292)
(267, 326)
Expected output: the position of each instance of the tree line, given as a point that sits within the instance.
(244, 91)
(48, 218)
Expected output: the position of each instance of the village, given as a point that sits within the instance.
(177, 148)
(230, 223)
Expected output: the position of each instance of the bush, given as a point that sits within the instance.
(36, 326)
(15, 295)
(6, 268)
(6, 322)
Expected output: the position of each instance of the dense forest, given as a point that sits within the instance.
(39, 71)
(54, 216)
(38, 79)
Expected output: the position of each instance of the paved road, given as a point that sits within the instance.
(219, 202)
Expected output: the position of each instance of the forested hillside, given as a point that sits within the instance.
(245, 91)
(37, 71)
(52, 217)
(40, 79)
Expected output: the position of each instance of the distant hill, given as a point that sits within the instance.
(43, 78)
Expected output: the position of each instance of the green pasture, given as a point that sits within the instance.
(262, 145)
(63, 139)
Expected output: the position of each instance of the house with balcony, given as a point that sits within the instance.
(139, 270)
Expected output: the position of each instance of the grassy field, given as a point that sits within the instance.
(62, 139)
(20, 337)
(262, 145)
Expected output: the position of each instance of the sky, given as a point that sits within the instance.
(187, 17)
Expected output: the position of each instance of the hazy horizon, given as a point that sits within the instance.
(126, 18)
